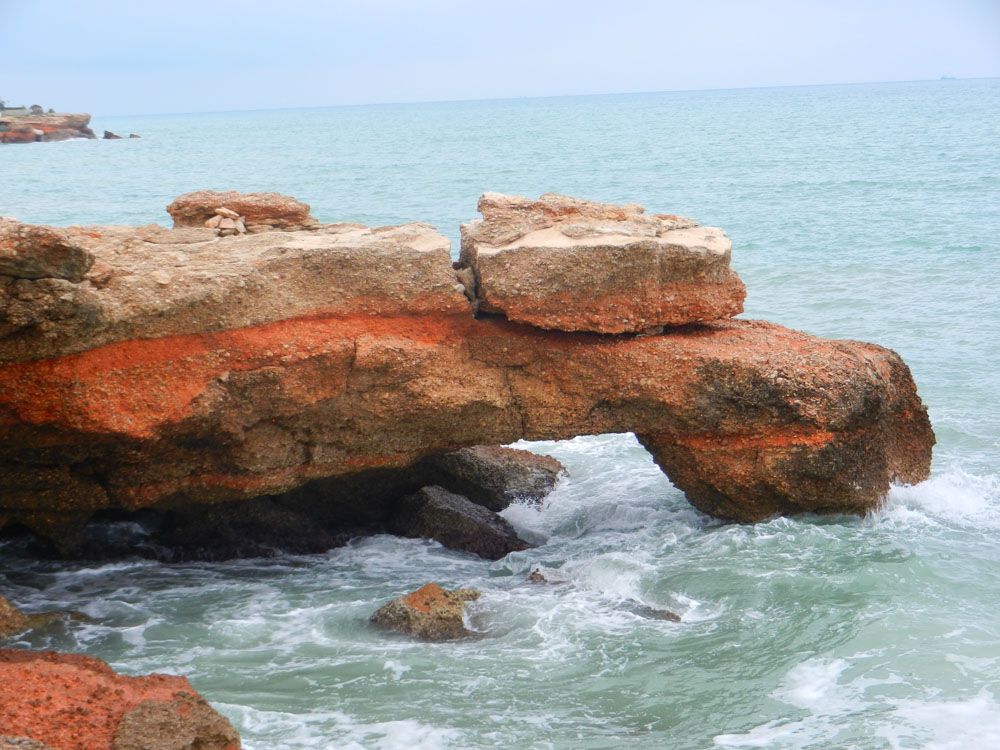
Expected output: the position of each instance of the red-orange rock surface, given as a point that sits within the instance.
(200, 369)
(45, 127)
(574, 265)
(71, 702)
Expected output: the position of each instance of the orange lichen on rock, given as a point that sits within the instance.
(72, 702)
(206, 369)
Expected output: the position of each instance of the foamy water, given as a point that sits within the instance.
(865, 212)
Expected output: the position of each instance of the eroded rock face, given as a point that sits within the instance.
(262, 212)
(430, 613)
(71, 702)
(573, 265)
(186, 368)
(456, 522)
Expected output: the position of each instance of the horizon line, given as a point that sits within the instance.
(547, 96)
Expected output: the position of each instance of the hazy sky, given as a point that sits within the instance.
(184, 55)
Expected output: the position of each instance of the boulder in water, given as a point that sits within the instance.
(456, 522)
(430, 613)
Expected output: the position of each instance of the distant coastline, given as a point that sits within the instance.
(35, 125)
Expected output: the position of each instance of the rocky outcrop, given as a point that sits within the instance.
(456, 522)
(70, 702)
(430, 613)
(494, 476)
(574, 265)
(14, 622)
(188, 368)
(44, 127)
(33, 252)
(262, 212)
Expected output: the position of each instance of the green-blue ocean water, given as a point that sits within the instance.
(868, 211)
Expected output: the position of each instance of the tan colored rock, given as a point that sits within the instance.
(227, 213)
(532, 259)
(215, 222)
(430, 613)
(268, 211)
(12, 620)
(28, 251)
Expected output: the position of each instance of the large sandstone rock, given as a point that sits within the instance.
(574, 265)
(430, 613)
(203, 370)
(261, 211)
(456, 522)
(71, 702)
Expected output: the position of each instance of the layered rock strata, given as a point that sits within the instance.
(44, 127)
(574, 265)
(70, 702)
(187, 368)
(261, 212)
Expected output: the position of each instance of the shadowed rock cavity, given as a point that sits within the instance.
(187, 368)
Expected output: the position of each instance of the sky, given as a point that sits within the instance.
(158, 56)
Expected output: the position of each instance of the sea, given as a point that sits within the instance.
(859, 211)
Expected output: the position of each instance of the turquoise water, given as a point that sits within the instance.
(868, 212)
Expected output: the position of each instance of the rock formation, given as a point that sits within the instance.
(29, 128)
(14, 622)
(262, 212)
(574, 265)
(430, 613)
(182, 368)
(71, 702)
(456, 522)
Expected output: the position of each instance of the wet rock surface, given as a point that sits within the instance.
(430, 613)
(71, 702)
(456, 522)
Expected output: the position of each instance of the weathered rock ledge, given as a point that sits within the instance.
(156, 367)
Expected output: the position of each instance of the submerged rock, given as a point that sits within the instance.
(430, 613)
(14, 622)
(71, 702)
(456, 522)
(574, 265)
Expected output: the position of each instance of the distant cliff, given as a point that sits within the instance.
(29, 128)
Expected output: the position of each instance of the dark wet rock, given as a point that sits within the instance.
(495, 476)
(134, 135)
(456, 522)
(430, 613)
(109, 136)
(257, 528)
(651, 613)
(13, 621)
(536, 576)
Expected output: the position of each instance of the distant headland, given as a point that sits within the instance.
(36, 124)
